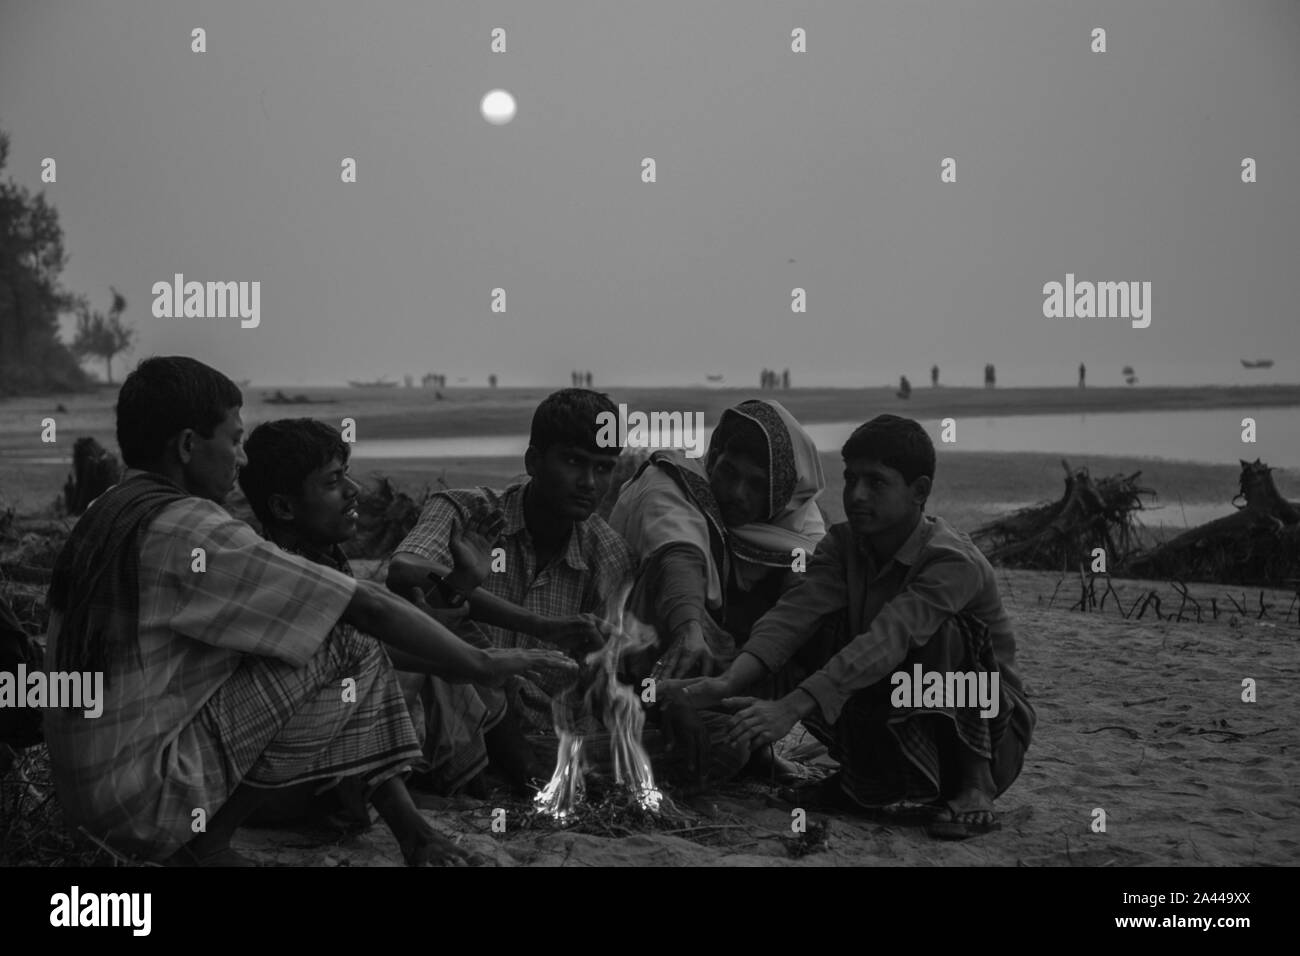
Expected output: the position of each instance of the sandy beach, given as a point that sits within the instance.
(1140, 718)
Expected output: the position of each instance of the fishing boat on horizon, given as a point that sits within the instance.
(1258, 363)
(378, 383)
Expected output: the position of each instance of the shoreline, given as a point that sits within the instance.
(403, 413)
(973, 484)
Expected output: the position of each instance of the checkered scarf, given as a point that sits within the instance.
(97, 574)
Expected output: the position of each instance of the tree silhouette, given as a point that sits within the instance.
(32, 357)
(100, 336)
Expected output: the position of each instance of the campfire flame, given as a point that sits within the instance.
(562, 795)
(621, 713)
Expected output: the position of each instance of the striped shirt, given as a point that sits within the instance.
(937, 574)
(136, 773)
(590, 573)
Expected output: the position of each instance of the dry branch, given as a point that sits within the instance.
(1059, 535)
(1259, 545)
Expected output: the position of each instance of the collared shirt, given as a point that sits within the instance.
(937, 573)
(589, 576)
(135, 773)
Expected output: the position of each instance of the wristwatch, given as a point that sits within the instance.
(451, 596)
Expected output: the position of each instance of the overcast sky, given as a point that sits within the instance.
(1120, 166)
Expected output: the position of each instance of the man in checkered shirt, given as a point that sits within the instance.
(232, 668)
(564, 566)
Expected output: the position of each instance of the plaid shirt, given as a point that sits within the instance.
(591, 572)
(134, 774)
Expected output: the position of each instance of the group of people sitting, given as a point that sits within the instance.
(251, 676)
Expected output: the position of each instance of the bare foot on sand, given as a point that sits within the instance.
(970, 812)
(427, 847)
(420, 843)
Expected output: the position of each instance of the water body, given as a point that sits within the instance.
(1203, 436)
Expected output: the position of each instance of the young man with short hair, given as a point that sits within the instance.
(297, 483)
(889, 589)
(564, 567)
(227, 674)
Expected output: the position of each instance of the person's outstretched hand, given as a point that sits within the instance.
(758, 722)
(688, 656)
(504, 664)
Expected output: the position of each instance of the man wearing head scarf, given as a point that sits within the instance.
(717, 544)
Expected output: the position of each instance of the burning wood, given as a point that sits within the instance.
(600, 691)
(567, 788)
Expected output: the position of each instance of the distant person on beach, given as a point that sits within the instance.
(492, 381)
(1083, 372)
(224, 683)
(934, 376)
(904, 388)
(891, 592)
(990, 376)
(562, 564)
(785, 379)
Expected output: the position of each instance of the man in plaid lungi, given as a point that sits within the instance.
(233, 668)
(297, 483)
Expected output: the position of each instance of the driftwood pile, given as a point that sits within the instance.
(1259, 545)
(1060, 535)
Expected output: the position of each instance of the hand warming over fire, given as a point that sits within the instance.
(758, 722)
(578, 634)
(700, 692)
(503, 664)
(689, 656)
